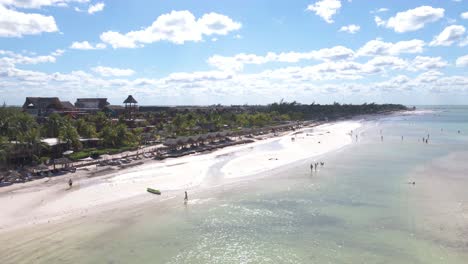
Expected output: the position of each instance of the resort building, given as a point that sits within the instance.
(43, 106)
(91, 104)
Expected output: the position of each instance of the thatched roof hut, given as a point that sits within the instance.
(130, 100)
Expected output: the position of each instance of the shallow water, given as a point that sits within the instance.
(358, 208)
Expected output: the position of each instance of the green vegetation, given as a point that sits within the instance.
(21, 134)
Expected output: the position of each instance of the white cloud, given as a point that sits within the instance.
(462, 61)
(463, 42)
(427, 63)
(237, 62)
(184, 77)
(325, 9)
(379, 10)
(412, 19)
(390, 62)
(11, 58)
(39, 3)
(98, 7)
(464, 15)
(379, 47)
(350, 28)
(448, 36)
(108, 71)
(379, 21)
(176, 27)
(213, 23)
(117, 40)
(16, 24)
(85, 45)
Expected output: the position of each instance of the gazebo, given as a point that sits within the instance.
(130, 107)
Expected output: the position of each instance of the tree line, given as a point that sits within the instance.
(21, 135)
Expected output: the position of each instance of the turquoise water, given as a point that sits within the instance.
(358, 208)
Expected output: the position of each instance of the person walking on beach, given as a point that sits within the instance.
(186, 196)
(311, 167)
(70, 183)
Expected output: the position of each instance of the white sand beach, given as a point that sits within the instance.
(50, 200)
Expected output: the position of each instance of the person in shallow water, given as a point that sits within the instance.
(186, 196)
(70, 183)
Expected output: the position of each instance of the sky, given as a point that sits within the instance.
(203, 52)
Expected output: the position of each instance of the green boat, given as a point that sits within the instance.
(153, 191)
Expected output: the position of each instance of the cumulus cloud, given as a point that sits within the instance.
(464, 15)
(448, 36)
(176, 27)
(17, 24)
(412, 19)
(325, 9)
(10, 59)
(237, 62)
(427, 63)
(109, 71)
(379, 47)
(98, 7)
(38, 3)
(352, 29)
(388, 62)
(380, 10)
(85, 45)
(462, 61)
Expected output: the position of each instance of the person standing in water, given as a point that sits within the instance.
(186, 196)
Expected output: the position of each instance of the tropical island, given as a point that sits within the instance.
(47, 137)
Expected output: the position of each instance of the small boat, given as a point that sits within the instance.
(153, 191)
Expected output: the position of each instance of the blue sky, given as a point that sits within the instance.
(235, 52)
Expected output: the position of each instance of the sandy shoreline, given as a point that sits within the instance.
(50, 200)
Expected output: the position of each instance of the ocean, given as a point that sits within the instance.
(360, 207)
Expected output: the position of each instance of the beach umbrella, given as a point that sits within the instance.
(41, 167)
(106, 156)
(87, 159)
(68, 152)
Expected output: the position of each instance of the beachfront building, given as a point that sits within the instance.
(91, 105)
(43, 106)
(114, 110)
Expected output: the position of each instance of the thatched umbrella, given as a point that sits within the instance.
(41, 167)
(61, 161)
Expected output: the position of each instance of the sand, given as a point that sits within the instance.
(50, 200)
